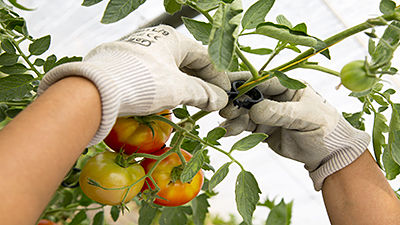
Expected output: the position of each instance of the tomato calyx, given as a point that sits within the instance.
(125, 161)
(176, 174)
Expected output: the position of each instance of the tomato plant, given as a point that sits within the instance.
(172, 192)
(105, 181)
(138, 134)
(355, 77)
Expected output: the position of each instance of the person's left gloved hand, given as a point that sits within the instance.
(142, 74)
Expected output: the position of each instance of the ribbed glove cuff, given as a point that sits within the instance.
(347, 144)
(121, 79)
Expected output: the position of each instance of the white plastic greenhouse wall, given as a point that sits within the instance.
(75, 30)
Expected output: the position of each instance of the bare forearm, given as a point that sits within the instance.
(360, 194)
(41, 144)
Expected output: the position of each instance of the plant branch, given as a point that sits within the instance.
(26, 58)
(319, 68)
(252, 69)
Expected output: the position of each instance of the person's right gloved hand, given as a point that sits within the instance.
(301, 125)
(142, 73)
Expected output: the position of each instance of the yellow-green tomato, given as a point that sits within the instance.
(355, 78)
(103, 169)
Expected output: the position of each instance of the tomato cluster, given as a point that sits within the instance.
(113, 178)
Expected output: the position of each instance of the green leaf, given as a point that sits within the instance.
(13, 112)
(49, 63)
(394, 129)
(378, 139)
(302, 27)
(387, 6)
(215, 134)
(207, 5)
(15, 86)
(200, 209)
(379, 100)
(192, 167)
(115, 211)
(200, 30)
(249, 142)
(180, 113)
(39, 62)
(147, 213)
(288, 82)
(7, 46)
(19, 6)
(17, 68)
(355, 119)
(171, 6)
(247, 195)
(280, 214)
(78, 218)
(39, 46)
(258, 51)
(224, 34)
(98, 218)
(392, 169)
(371, 46)
(386, 46)
(7, 59)
(382, 108)
(67, 59)
(90, 2)
(3, 115)
(173, 216)
(119, 9)
(256, 13)
(219, 176)
(285, 34)
(282, 20)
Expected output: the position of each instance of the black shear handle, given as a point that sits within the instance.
(254, 95)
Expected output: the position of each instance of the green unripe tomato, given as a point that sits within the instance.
(355, 78)
(103, 169)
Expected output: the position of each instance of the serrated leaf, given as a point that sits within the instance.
(78, 218)
(378, 139)
(200, 209)
(207, 5)
(224, 34)
(7, 59)
(39, 46)
(171, 6)
(119, 9)
(49, 63)
(392, 169)
(180, 113)
(280, 214)
(90, 2)
(257, 51)
(17, 68)
(281, 19)
(98, 218)
(386, 46)
(215, 134)
(173, 216)
(200, 30)
(115, 211)
(247, 195)
(147, 213)
(387, 6)
(394, 138)
(249, 142)
(285, 34)
(256, 13)
(192, 167)
(15, 86)
(219, 176)
(288, 82)
(7, 46)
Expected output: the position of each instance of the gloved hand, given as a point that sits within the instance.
(301, 125)
(142, 74)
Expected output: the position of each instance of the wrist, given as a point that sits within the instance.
(346, 144)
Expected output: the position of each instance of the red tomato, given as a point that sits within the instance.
(133, 136)
(46, 222)
(177, 193)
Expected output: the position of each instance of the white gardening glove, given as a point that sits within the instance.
(301, 125)
(140, 75)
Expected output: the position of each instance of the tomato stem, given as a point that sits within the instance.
(319, 68)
